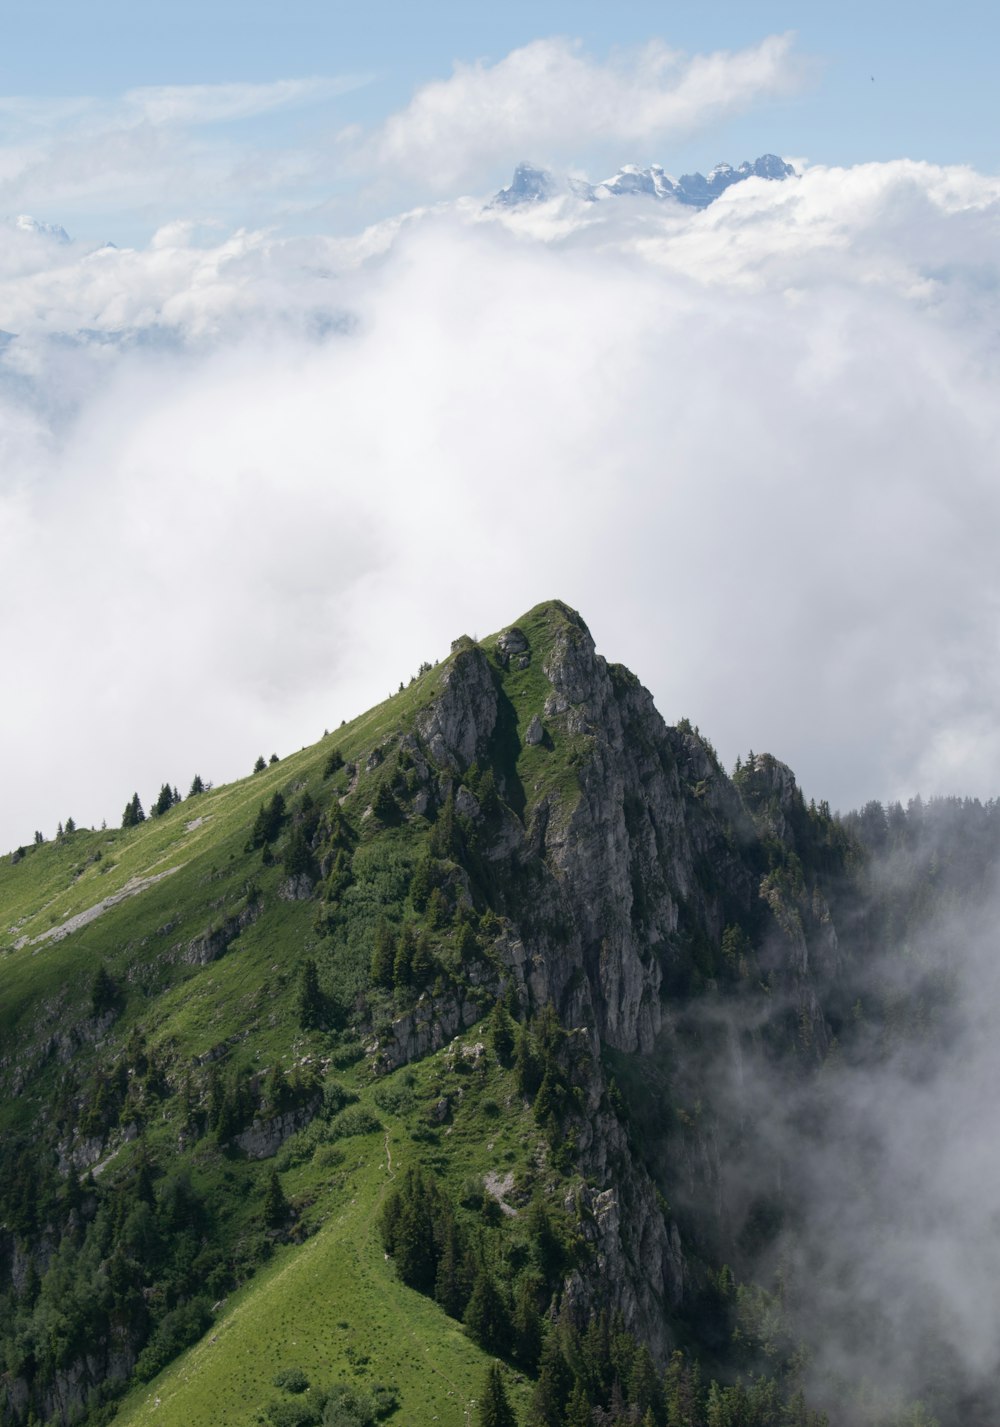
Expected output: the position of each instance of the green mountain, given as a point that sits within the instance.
(411, 1053)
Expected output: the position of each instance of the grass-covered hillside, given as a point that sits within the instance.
(388, 1083)
(202, 1125)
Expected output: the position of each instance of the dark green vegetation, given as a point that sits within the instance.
(386, 1081)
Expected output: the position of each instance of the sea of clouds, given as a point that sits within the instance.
(249, 480)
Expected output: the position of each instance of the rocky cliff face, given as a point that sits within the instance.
(646, 850)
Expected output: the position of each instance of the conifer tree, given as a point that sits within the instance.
(438, 914)
(383, 955)
(164, 801)
(197, 786)
(104, 993)
(310, 1004)
(450, 1289)
(486, 1315)
(578, 1412)
(527, 1326)
(133, 814)
(402, 970)
(385, 807)
(442, 843)
(422, 881)
(502, 1033)
(267, 823)
(297, 858)
(527, 1071)
(554, 1385)
(494, 1405)
(276, 1208)
(422, 966)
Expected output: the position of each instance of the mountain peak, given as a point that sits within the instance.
(26, 224)
(696, 190)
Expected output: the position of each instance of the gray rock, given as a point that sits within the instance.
(457, 727)
(512, 645)
(211, 944)
(265, 1136)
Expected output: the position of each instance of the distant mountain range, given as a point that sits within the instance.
(27, 224)
(536, 185)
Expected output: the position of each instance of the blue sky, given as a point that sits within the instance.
(872, 81)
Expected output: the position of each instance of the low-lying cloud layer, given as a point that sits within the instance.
(247, 484)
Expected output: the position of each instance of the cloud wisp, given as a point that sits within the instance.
(866, 1186)
(156, 151)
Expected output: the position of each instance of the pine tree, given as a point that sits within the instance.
(197, 786)
(267, 823)
(438, 913)
(450, 1289)
(494, 1406)
(422, 881)
(643, 1383)
(486, 1315)
(442, 842)
(682, 1388)
(385, 807)
(260, 765)
(578, 1407)
(402, 970)
(310, 1003)
(383, 955)
(407, 1227)
(133, 814)
(554, 1385)
(502, 1033)
(164, 801)
(527, 1071)
(297, 857)
(334, 762)
(527, 1326)
(104, 993)
(276, 1208)
(422, 966)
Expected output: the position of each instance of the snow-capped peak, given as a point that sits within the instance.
(536, 185)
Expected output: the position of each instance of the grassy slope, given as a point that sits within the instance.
(333, 1305)
(291, 1313)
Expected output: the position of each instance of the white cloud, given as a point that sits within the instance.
(153, 151)
(248, 484)
(551, 100)
(219, 103)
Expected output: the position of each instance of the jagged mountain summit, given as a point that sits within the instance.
(696, 190)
